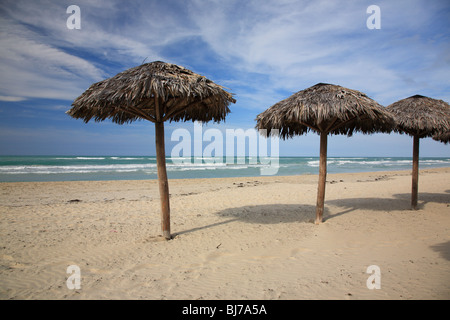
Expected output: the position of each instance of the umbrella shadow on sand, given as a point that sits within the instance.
(399, 202)
(262, 214)
(377, 204)
(288, 213)
(426, 197)
(443, 249)
(272, 213)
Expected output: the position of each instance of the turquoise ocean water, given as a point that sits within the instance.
(72, 168)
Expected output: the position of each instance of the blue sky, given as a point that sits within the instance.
(263, 51)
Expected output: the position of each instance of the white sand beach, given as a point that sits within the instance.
(235, 238)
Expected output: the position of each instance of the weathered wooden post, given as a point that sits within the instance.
(322, 177)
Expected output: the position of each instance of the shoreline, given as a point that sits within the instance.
(236, 238)
(395, 171)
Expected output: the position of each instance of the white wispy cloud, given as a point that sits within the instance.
(300, 43)
(42, 58)
(11, 98)
(31, 68)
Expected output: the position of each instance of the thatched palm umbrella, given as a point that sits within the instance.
(420, 117)
(325, 109)
(156, 92)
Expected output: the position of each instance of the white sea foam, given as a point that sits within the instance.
(387, 162)
(47, 169)
(90, 158)
(124, 158)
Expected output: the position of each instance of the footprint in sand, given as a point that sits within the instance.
(216, 255)
(295, 251)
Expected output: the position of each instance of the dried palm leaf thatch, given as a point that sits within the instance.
(421, 116)
(325, 108)
(443, 137)
(130, 95)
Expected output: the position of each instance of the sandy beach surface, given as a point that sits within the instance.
(235, 238)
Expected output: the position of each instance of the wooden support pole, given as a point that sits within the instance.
(415, 174)
(162, 176)
(322, 177)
